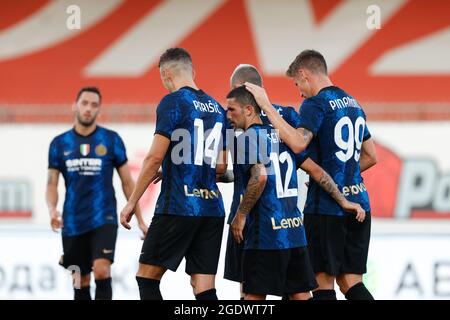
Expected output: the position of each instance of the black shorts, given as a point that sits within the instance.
(278, 272)
(233, 258)
(170, 238)
(337, 244)
(82, 250)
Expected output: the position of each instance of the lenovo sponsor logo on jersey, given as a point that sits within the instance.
(286, 223)
(354, 189)
(84, 166)
(201, 193)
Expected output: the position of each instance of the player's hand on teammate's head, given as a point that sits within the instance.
(126, 214)
(260, 95)
(237, 226)
(56, 221)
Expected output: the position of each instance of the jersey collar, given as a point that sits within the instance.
(199, 91)
(327, 88)
(79, 135)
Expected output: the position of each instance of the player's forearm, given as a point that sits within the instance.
(226, 177)
(366, 162)
(128, 187)
(292, 137)
(327, 183)
(255, 187)
(149, 168)
(51, 196)
(368, 156)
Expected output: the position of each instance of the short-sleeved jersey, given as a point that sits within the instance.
(291, 116)
(195, 123)
(275, 221)
(338, 124)
(87, 164)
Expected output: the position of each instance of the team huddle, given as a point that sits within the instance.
(272, 248)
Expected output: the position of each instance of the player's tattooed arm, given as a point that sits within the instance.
(226, 177)
(306, 134)
(255, 187)
(326, 182)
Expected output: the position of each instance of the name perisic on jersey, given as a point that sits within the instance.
(286, 223)
(206, 107)
(345, 102)
(84, 166)
(201, 193)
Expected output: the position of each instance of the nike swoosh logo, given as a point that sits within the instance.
(66, 153)
(107, 251)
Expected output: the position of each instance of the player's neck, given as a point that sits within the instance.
(84, 130)
(255, 120)
(320, 83)
(180, 83)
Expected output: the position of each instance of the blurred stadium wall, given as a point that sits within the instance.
(400, 73)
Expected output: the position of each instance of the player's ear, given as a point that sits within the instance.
(248, 110)
(193, 73)
(302, 74)
(74, 106)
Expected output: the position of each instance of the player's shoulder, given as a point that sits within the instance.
(318, 100)
(284, 109)
(63, 136)
(256, 129)
(169, 98)
(263, 129)
(107, 131)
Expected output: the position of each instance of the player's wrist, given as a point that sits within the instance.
(267, 106)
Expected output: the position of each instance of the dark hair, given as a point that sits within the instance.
(175, 54)
(244, 98)
(246, 73)
(89, 89)
(308, 59)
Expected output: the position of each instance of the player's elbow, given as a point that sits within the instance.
(221, 168)
(127, 185)
(316, 172)
(298, 146)
(262, 180)
(153, 159)
(372, 159)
